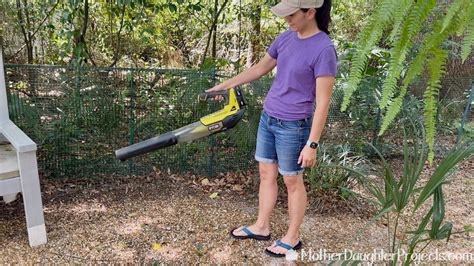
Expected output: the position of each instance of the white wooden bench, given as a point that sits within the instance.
(8, 161)
(19, 169)
(8, 166)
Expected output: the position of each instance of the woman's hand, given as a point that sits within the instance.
(307, 157)
(217, 88)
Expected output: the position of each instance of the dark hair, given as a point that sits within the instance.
(323, 16)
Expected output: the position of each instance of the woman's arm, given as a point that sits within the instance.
(255, 72)
(324, 90)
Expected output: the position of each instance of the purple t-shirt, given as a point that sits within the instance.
(299, 63)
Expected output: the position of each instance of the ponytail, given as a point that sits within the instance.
(323, 16)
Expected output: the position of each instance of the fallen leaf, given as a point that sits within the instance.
(214, 195)
(237, 188)
(205, 182)
(156, 246)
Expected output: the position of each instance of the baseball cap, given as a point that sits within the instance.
(288, 7)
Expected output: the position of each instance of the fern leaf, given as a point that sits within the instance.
(399, 17)
(466, 15)
(452, 10)
(414, 22)
(436, 70)
(414, 70)
(468, 41)
(393, 110)
(367, 39)
(436, 37)
(460, 21)
(387, 10)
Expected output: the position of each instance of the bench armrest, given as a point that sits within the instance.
(19, 140)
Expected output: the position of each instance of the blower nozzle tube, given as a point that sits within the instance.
(159, 142)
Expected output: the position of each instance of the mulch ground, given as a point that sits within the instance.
(165, 218)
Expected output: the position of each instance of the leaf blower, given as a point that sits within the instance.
(216, 122)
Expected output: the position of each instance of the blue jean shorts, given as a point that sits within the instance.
(281, 142)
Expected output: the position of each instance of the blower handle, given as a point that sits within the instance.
(205, 96)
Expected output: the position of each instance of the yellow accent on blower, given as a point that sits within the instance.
(231, 107)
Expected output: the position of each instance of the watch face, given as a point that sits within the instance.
(313, 145)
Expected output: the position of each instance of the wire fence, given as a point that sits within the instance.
(80, 116)
(466, 126)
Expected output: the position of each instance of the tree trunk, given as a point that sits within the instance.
(117, 44)
(214, 36)
(22, 12)
(81, 39)
(31, 36)
(239, 38)
(212, 28)
(255, 48)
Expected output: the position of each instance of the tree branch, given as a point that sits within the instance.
(118, 38)
(212, 29)
(36, 30)
(22, 24)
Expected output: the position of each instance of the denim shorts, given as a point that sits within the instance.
(281, 142)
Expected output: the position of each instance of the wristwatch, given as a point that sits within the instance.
(312, 144)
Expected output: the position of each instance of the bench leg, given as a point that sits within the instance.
(9, 198)
(32, 198)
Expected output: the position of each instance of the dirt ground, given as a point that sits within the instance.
(166, 218)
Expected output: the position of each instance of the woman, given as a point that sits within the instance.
(290, 125)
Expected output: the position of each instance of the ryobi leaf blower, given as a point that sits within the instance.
(216, 122)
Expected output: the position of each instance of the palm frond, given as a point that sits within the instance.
(438, 211)
(443, 170)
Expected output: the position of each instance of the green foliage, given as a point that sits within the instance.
(348, 17)
(367, 39)
(418, 30)
(25, 112)
(333, 179)
(468, 130)
(443, 171)
(448, 116)
(435, 69)
(154, 33)
(363, 109)
(403, 42)
(395, 193)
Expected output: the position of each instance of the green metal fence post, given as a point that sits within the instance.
(212, 139)
(132, 116)
(466, 111)
(377, 127)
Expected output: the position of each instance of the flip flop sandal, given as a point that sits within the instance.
(249, 235)
(285, 246)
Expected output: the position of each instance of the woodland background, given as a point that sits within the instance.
(88, 76)
(227, 34)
